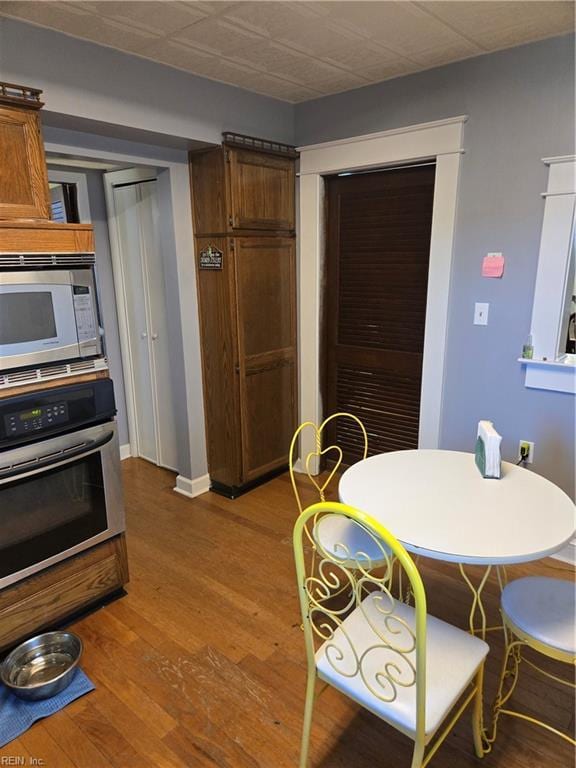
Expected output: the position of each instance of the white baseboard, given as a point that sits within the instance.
(568, 554)
(313, 466)
(125, 451)
(192, 488)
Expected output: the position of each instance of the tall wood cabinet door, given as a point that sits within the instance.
(261, 190)
(23, 177)
(217, 304)
(266, 293)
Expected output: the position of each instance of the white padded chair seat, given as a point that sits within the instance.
(544, 609)
(334, 530)
(452, 658)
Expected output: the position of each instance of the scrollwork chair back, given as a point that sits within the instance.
(373, 647)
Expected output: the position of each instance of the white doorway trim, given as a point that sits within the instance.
(440, 140)
(81, 182)
(128, 176)
(174, 180)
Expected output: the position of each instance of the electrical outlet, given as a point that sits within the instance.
(526, 451)
(481, 313)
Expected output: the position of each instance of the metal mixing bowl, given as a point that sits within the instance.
(42, 666)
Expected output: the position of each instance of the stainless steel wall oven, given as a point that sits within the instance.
(60, 485)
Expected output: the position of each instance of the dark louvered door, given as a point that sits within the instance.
(377, 254)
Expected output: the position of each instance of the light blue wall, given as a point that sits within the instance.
(88, 81)
(520, 104)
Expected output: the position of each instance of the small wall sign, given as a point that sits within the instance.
(493, 265)
(211, 258)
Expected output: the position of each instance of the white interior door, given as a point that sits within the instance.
(165, 410)
(140, 271)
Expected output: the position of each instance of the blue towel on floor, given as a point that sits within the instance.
(17, 715)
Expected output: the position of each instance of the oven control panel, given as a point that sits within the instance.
(34, 419)
(35, 415)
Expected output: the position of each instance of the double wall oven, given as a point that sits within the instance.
(60, 485)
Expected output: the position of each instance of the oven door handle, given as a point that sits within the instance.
(64, 456)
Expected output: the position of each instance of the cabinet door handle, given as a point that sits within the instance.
(144, 335)
(154, 336)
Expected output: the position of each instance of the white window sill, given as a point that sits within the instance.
(555, 375)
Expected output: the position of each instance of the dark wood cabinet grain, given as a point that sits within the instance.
(266, 317)
(217, 308)
(243, 204)
(209, 194)
(377, 254)
(261, 190)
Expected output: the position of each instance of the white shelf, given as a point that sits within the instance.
(554, 375)
(547, 363)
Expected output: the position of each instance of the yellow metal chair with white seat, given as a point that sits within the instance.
(415, 672)
(538, 613)
(338, 529)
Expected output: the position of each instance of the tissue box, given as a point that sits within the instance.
(487, 451)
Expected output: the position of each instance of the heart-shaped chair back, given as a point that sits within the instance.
(333, 450)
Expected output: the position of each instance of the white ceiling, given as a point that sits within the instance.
(297, 51)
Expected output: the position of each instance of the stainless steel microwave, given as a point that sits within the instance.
(48, 316)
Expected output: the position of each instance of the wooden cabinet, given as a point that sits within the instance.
(243, 203)
(47, 598)
(241, 189)
(23, 177)
(45, 237)
(261, 190)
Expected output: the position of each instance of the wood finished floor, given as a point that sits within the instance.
(202, 663)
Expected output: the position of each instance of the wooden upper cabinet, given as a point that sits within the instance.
(239, 190)
(23, 176)
(261, 190)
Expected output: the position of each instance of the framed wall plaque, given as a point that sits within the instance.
(211, 258)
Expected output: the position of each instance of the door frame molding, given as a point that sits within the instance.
(174, 183)
(442, 141)
(70, 177)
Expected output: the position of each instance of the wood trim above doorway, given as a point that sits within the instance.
(442, 141)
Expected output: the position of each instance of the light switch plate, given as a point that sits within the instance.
(481, 313)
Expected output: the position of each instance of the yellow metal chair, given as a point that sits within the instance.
(537, 613)
(336, 529)
(415, 672)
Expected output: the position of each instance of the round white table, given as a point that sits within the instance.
(438, 505)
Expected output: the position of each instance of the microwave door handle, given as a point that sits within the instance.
(35, 465)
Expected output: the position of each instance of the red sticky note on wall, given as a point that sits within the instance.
(493, 265)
